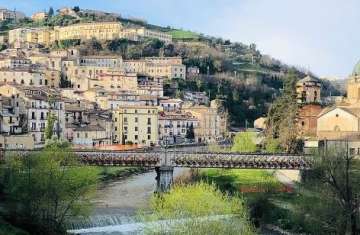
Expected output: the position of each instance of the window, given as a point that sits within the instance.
(136, 137)
(115, 128)
(136, 128)
(149, 137)
(32, 115)
(136, 119)
(86, 134)
(125, 120)
(78, 135)
(352, 151)
(149, 121)
(149, 130)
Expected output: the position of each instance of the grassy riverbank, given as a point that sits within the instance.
(269, 201)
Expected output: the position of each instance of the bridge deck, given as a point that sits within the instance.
(190, 160)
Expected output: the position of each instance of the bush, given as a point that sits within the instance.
(244, 143)
(198, 209)
(44, 189)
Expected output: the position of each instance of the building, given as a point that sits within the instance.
(13, 142)
(174, 126)
(342, 121)
(87, 31)
(136, 124)
(6, 14)
(167, 67)
(308, 92)
(171, 105)
(36, 104)
(196, 97)
(143, 32)
(260, 123)
(39, 16)
(213, 121)
(30, 77)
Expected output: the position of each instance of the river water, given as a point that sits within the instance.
(119, 201)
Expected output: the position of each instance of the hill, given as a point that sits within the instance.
(240, 74)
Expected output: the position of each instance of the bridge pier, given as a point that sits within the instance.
(164, 178)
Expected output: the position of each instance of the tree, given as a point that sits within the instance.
(282, 116)
(244, 143)
(190, 132)
(332, 189)
(198, 209)
(49, 129)
(76, 9)
(42, 191)
(51, 12)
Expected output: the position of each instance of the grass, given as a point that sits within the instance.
(241, 180)
(183, 34)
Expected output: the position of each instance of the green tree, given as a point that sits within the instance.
(272, 146)
(49, 125)
(189, 209)
(244, 142)
(51, 12)
(190, 132)
(282, 116)
(331, 193)
(44, 189)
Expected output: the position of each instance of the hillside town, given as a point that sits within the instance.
(109, 101)
(110, 124)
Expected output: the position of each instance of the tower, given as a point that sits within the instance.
(353, 86)
(308, 90)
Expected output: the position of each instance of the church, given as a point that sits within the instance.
(342, 121)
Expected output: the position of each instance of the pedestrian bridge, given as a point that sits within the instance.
(165, 161)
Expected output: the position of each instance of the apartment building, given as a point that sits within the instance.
(36, 104)
(167, 67)
(30, 77)
(136, 124)
(171, 105)
(213, 121)
(87, 31)
(174, 126)
(12, 62)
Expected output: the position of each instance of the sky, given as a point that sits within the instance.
(322, 36)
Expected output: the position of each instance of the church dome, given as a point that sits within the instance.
(356, 70)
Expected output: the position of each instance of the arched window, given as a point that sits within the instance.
(315, 96)
(336, 128)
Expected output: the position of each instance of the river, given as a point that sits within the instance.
(119, 201)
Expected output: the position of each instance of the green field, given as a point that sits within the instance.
(182, 34)
(241, 180)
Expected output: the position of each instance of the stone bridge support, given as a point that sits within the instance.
(164, 178)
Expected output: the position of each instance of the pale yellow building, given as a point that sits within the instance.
(213, 121)
(39, 16)
(87, 31)
(167, 67)
(342, 121)
(136, 124)
(12, 142)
